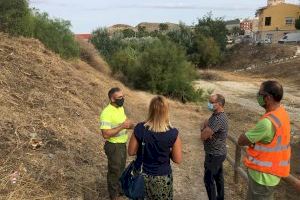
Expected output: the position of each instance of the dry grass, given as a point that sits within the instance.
(241, 55)
(286, 72)
(90, 55)
(57, 102)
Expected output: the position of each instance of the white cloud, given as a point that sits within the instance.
(174, 6)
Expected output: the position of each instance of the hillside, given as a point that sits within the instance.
(155, 26)
(56, 103)
(148, 26)
(50, 146)
(242, 56)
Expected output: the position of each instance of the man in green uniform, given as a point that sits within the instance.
(264, 132)
(262, 184)
(114, 125)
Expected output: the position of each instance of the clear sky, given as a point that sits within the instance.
(87, 15)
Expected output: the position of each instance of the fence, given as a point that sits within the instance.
(239, 171)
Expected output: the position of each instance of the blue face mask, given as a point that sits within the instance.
(210, 106)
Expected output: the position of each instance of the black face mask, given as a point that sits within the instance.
(119, 102)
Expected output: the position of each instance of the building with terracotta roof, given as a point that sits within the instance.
(85, 37)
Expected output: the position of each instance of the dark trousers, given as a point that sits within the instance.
(213, 176)
(116, 156)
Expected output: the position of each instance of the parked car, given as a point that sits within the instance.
(246, 39)
(290, 38)
(264, 41)
(230, 41)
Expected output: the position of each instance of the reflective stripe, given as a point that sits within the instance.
(277, 148)
(105, 124)
(277, 121)
(284, 163)
(115, 126)
(123, 132)
(273, 149)
(260, 163)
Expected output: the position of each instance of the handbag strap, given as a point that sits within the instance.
(143, 151)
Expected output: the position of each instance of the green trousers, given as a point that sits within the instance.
(257, 191)
(116, 156)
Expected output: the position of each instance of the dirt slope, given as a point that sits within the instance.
(54, 105)
(243, 55)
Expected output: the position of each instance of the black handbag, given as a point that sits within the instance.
(132, 180)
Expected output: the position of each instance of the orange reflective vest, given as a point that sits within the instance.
(273, 158)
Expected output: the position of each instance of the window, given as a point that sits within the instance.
(289, 21)
(268, 21)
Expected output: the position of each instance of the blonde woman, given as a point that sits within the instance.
(162, 144)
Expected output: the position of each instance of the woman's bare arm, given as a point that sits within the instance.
(177, 151)
(133, 145)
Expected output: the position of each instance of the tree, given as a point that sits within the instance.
(155, 33)
(55, 34)
(163, 69)
(142, 32)
(183, 36)
(124, 61)
(297, 24)
(163, 27)
(205, 52)
(128, 33)
(105, 44)
(237, 31)
(214, 28)
(15, 17)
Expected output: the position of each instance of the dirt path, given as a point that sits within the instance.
(188, 177)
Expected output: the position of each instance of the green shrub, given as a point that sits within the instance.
(105, 44)
(159, 66)
(206, 51)
(214, 28)
(15, 17)
(128, 33)
(56, 35)
(183, 37)
(124, 61)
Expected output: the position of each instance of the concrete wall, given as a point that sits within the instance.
(273, 35)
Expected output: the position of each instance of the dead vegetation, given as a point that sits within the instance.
(90, 55)
(50, 146)
(241, 55)
(287, 72)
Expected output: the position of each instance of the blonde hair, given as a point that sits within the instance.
(158, 115)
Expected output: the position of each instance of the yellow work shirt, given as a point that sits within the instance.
(112, 117)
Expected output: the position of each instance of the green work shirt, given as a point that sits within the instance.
(112, 117)
(263, 132)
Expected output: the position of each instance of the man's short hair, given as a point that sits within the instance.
(274, 89)
(220, 99)
(112, 91)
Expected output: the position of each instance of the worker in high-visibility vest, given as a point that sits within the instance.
(114, 125)
(268, 152)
